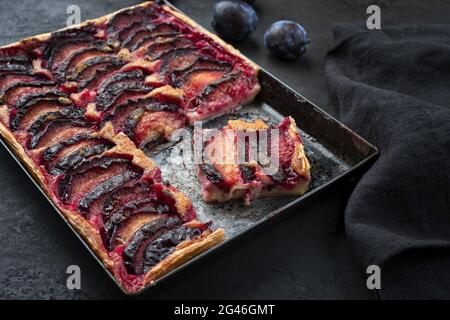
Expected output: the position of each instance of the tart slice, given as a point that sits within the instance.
(245, 160)
(149, 230)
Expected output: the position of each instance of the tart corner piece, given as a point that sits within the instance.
(233, 166)
(224, 87)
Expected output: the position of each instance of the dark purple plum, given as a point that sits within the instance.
(286, 40)
(234, 20)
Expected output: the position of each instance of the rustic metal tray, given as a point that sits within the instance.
(337, 155)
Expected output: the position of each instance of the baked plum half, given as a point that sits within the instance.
(149, 34)
(81, 185)
(130, 207)
(24, 115)
(63, 44)
(70, 153)
(16, 61)
(120, 87)
(15, 91)
(147, 120)
(80, 58)
(9, 80)
(156, 239)
(127, 22)
(56, 126)
(92, 71)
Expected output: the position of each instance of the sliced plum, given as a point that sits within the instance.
(212, 174)
(124, 19)
(126, 34)
(164, 28)
(27, 98)
(88, 68)
(119, 88)
(122, 92)
(217, 94)
(15, 59)
(127, 31)
(140, 199)
(8, 80)
(247, 173)
(122, 196)
(51, 152)
(159, 48)
(16, 67)
(107, 186)
(135, 37)
(135, 40)
(69, 153)
(195, 80)
(28, 113)
(199, 63)
(79, 56)
(133, 254)
(161, 247)
(53, 131)
(64, 50)
(119, 77)
(14, 92)
(17, 56)
(178, 59)
(153, 127)
(286, 175)
(123, 231)
(121, 224)
(90, 179)
(126, 116)
(121, 112)
(149, 39)
(62, 43)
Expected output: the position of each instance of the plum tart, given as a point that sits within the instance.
(78, 105)
(244, 160)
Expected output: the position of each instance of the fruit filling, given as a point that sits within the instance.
(67, 154)
(136, 247)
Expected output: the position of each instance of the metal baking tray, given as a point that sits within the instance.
(336, 153)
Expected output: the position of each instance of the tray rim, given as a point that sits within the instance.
(278, 213)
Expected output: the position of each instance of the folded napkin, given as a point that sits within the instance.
(392, 86)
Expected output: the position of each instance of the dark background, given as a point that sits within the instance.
(304, 256)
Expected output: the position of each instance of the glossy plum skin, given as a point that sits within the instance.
(234, 20)
(286, 40)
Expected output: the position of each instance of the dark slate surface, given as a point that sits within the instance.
(305, 256)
